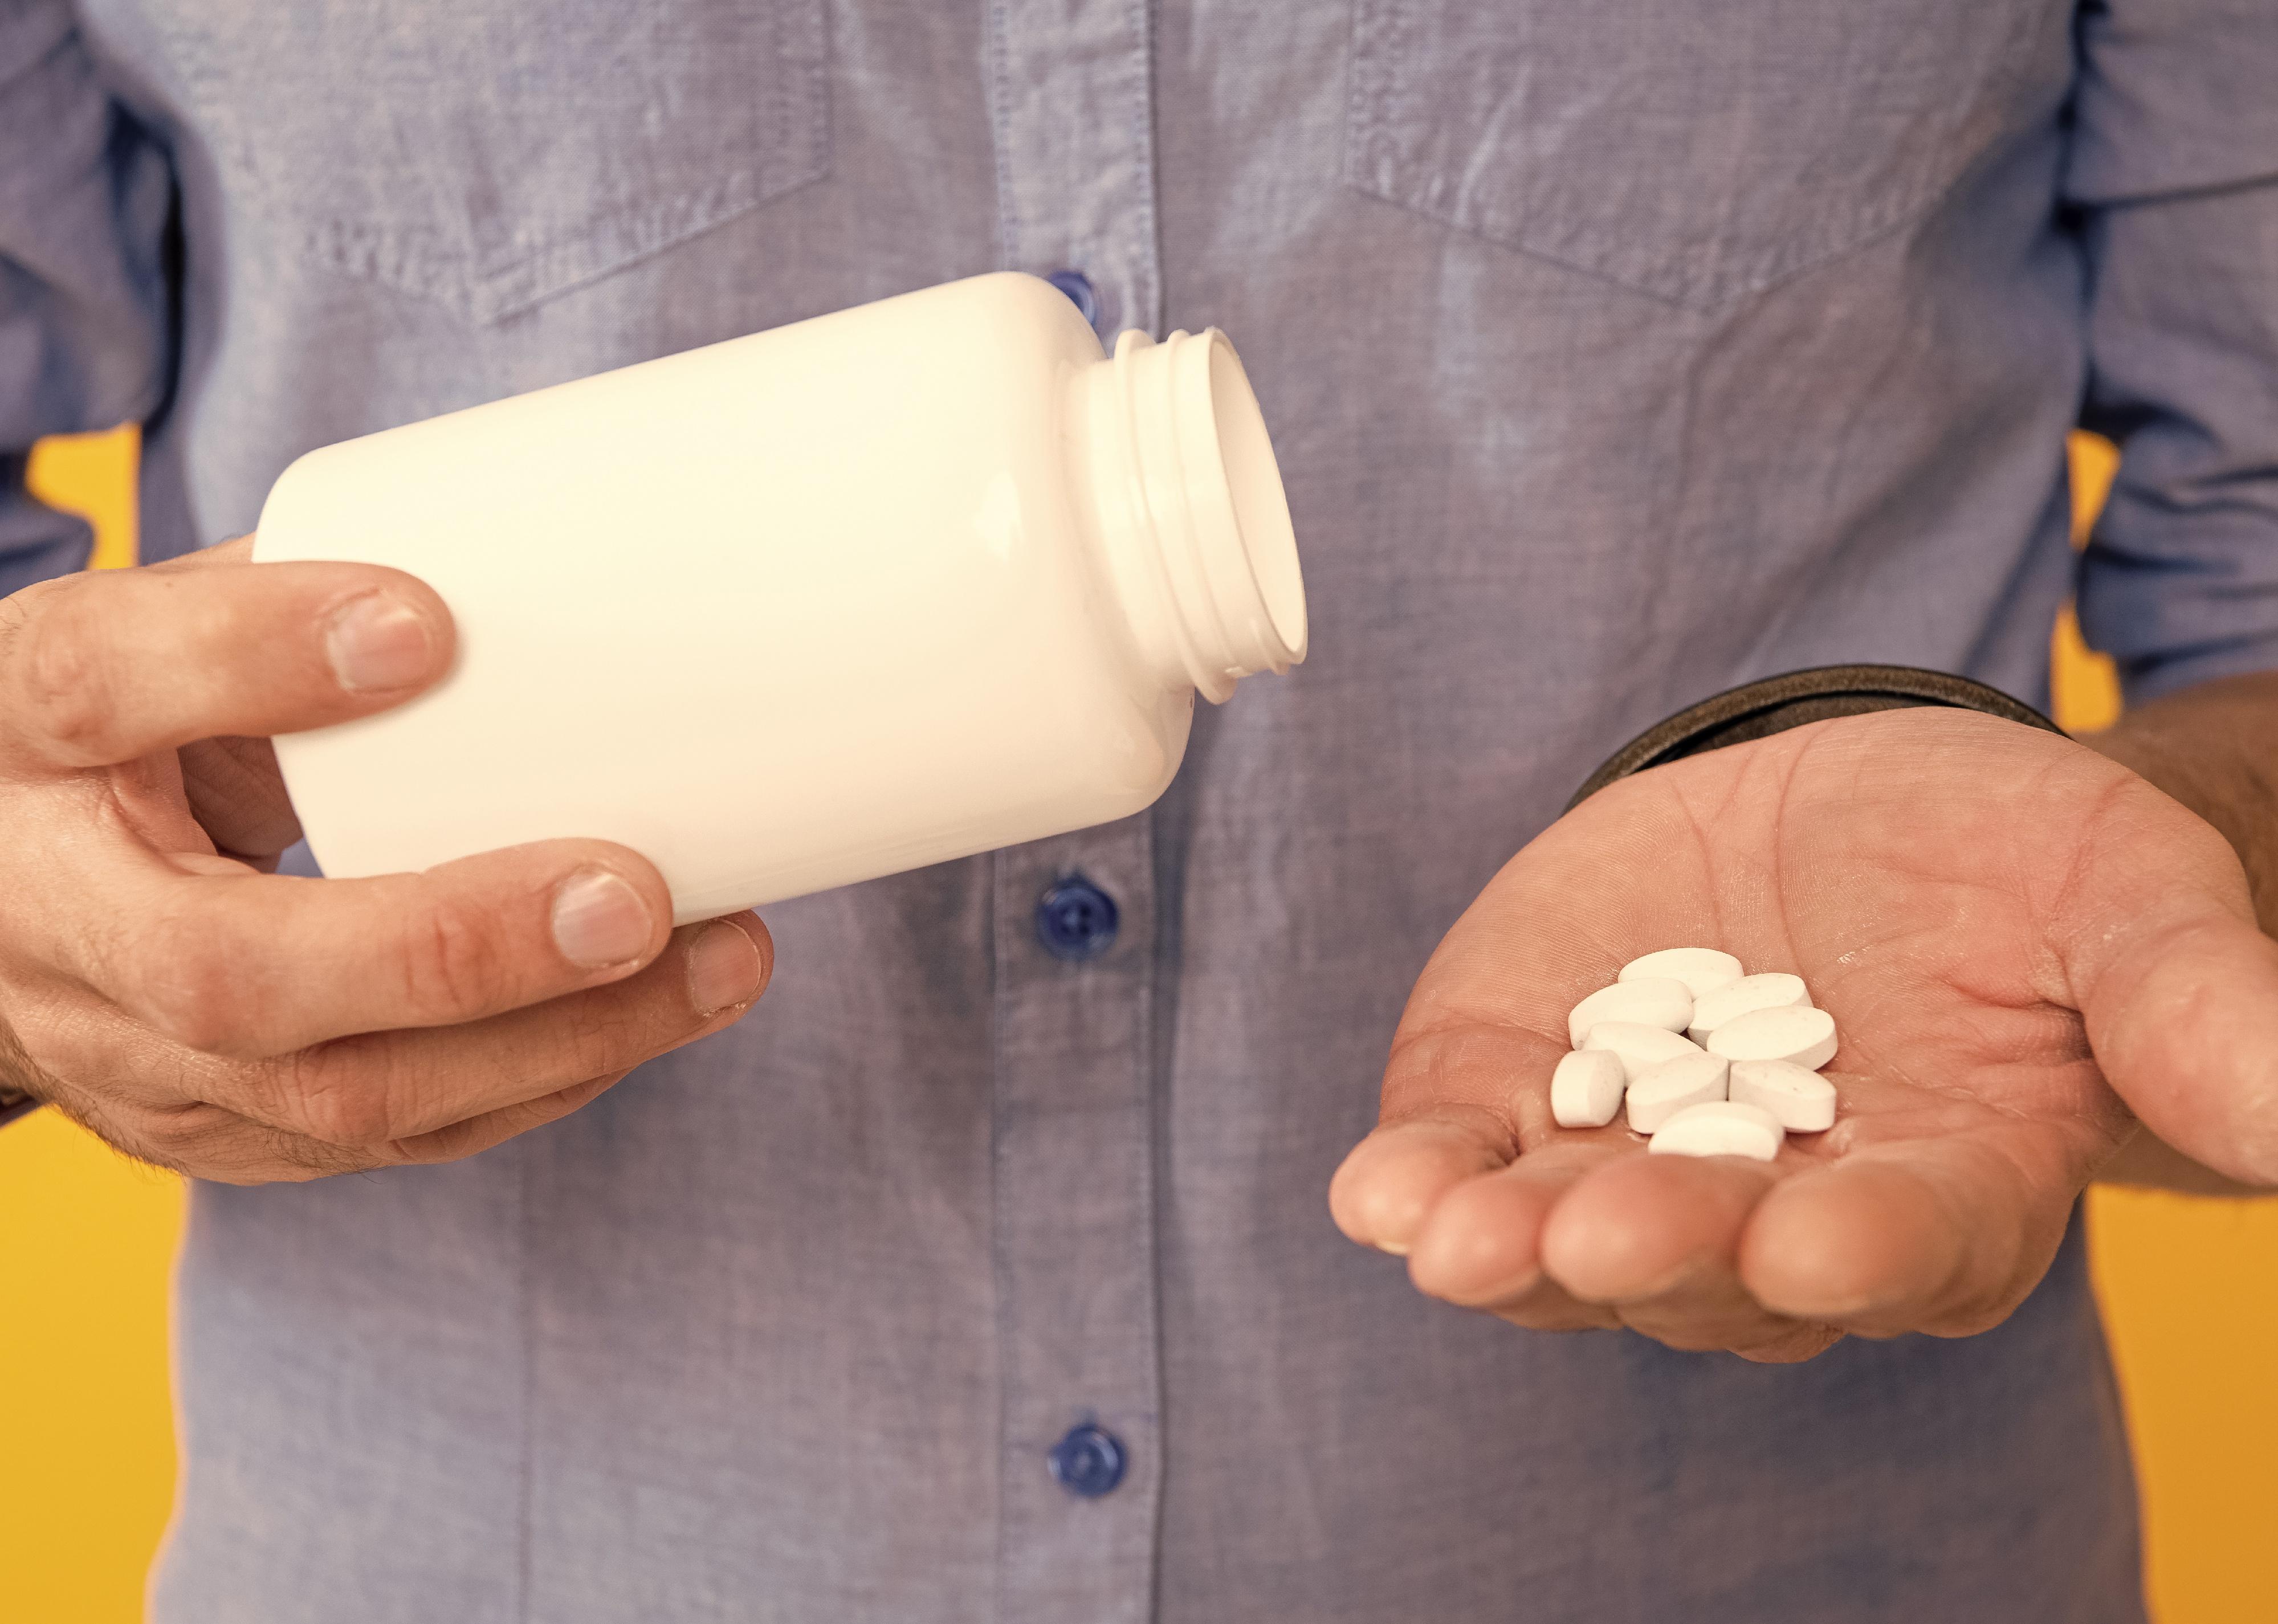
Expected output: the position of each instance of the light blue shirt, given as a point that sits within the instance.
(1615, 352)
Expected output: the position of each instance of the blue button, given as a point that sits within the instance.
(1089, 1461)
(1080, 290)
(1076, 919)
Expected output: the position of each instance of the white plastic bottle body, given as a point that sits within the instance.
(797, 609)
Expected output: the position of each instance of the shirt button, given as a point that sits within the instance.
(1076, 919)
(1089, 1461)
(1080, 293)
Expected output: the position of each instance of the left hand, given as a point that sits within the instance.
(2026, 948)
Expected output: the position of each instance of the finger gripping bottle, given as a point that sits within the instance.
(891, 586)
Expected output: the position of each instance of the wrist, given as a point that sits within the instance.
(2211, 749)
(1758, 710)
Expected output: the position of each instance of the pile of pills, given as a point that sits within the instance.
(1711, 1060)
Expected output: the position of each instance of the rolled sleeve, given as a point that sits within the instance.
(86, 202)
(2174, 169)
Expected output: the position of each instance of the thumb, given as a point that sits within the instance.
(2177, 986)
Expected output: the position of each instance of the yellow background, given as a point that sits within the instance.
(87, 1464)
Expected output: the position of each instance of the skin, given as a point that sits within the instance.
(2044, 969)
(163, 984)
(2042, 965)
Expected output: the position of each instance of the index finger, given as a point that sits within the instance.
(252, 965)
(104, 668)
(1457, 1103)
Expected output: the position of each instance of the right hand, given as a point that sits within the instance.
(163, 984)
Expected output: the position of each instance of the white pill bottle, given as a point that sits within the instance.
(872, 591)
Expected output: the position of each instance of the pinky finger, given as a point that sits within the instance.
(464, 1138)
(1793, 1346)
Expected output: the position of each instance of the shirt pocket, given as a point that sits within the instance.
(488, 154)
(1696, 153)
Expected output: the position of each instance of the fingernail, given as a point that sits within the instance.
(1391, 1248)
(599, 919)
(378, 642)
(723, 969)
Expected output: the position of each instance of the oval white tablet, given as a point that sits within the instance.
(1804, 1037)
(1638, 1045)
(1801, 1100)
(1702, 970)
(1586, 1089)
(1660, 1091)
(1775, 989)
(1721, 1128)
(1663, 1002)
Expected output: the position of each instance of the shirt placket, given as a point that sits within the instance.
(1071, 102)
(1073, 1136)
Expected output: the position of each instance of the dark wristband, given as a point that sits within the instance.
(1759, 710)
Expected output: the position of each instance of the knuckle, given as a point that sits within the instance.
(332, 1094)
(451, 961)
(190, 998)
(173, 971)
(62, 695)
(599, 1035)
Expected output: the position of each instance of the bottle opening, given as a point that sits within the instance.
(1261, 505)
(1194, 524)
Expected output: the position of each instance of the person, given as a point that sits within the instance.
(1614, 355)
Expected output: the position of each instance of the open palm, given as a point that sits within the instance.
(2025, 947)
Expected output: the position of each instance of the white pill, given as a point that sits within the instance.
(1586, 1090)
(1774, 990)
(1660, 1091)
(1804, 1037)
(1721, 1128)
(1638, 1045)
(1702, 970)
(1799, 1099)
(1661, 1002)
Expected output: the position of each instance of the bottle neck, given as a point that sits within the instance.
(1188, 510)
